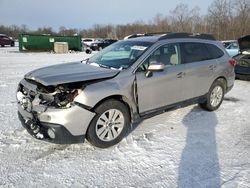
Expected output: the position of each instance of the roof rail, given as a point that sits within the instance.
(187, 35)
(157, 33)
(135, 36)
(145, 34)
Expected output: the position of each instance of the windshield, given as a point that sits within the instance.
(120, 55)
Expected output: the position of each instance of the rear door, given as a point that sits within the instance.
(200, 68)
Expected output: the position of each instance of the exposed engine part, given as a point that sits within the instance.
(60, 96)
(62, 99)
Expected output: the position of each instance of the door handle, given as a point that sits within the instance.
(181, 74)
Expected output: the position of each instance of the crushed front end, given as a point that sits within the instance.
(50, 113)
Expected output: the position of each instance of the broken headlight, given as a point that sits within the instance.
(63, 99)
(60, 96)
(65, 95)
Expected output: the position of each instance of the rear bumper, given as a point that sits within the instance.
(230, 82)
(61, 126)
(229, 88)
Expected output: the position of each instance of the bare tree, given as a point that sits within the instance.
(69, 32)
(226, 19)
(183, 19)
(219, 14)
(45, 31)
(242, 17)
(161, 23)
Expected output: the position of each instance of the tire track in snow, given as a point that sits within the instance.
(50, 151)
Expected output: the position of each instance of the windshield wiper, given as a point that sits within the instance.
(98, 64)
(108, 67)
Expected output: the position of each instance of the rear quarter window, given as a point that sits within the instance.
(214, 51)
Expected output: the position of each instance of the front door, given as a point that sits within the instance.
(160, 88)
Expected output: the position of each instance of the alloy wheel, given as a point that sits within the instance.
(109, 125)
(216, 96)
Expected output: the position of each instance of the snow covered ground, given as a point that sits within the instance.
(187, 147)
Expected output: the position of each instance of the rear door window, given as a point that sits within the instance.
(214, 51)
(194, 52)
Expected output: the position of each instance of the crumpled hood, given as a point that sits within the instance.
(69, 72)
(244, 43)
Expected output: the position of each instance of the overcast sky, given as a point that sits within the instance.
(86, 13)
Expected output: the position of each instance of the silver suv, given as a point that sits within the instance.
(99, 98)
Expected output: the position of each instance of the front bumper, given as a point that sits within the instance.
(60, 134)
(61, 126)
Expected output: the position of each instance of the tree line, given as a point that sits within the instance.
(225, 19)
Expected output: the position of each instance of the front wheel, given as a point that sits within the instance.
(214, 97)
(110, 124)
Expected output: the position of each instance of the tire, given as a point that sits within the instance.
(110, 124)
(214, 97)
(2, 45)
(12, 44)
(88, 51)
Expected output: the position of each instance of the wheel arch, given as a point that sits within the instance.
(120, 98)
(223, 80)
(206, 104)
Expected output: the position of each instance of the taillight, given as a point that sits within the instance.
(232, 62)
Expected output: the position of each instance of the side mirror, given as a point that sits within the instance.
(156, 67)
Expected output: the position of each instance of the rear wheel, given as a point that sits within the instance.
(214, 97)
(109, 125)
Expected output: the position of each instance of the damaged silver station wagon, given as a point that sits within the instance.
(99, 98)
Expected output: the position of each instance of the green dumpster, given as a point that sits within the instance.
(33, 42)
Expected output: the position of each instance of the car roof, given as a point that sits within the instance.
(166, 36)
